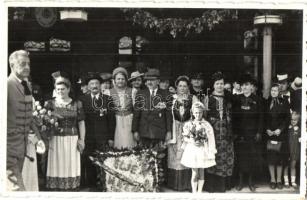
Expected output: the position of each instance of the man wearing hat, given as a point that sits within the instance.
(197, 82)
(100, 126)
(152, 119)
(284, 86)
(136, 83)
(248, 127)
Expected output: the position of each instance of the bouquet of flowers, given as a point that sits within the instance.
(46, 120)
(198, 134)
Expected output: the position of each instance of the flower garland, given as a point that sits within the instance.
(135, 170)
(208, 20)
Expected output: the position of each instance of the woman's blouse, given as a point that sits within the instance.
(67, 116)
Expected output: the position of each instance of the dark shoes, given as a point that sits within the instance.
(273, 185)
(252, 187)
(239, 187)
(287, 185)
(280, 185)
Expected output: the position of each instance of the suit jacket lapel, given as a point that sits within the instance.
(158, 93)
(148, 100)
(17, 83)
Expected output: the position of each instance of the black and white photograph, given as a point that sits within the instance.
(154, 100)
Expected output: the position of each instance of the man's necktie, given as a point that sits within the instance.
(26, 88)
(151, 98)
(98, 101)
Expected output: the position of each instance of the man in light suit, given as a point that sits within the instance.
(19, 116)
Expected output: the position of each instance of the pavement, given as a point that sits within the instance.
(260, 188)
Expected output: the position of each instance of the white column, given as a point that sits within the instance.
(267, 60)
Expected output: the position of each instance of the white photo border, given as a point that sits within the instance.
(230, 4)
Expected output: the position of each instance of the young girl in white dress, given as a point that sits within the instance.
(199, 151)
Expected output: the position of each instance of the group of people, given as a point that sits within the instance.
(207, 136)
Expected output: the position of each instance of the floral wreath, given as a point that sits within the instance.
(152, 156)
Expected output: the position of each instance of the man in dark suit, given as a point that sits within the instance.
(19, 117)
(152, 119)
(100, 127)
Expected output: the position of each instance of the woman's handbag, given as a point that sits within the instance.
(273, 145)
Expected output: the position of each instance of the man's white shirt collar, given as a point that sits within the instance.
(96, 96)
(153, 92)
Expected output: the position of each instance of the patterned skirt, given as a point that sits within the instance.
(63, 170)
(225, 152)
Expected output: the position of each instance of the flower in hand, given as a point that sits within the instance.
(198, 135)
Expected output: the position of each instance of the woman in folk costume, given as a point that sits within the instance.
(67, 142)
(178, 176)
(218, 113)
(122, 105)
(199, 151)
(277, 117)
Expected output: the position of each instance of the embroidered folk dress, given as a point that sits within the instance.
(63, 169)
(218, 113)
(219, 116)
(203, 155)
(179, 176)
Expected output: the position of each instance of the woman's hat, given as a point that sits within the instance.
(246, 78)
(152, 73)
(135, 75)
(106, 77)
(120, 70)
(198, 76)
(92, 76)
(297, 83)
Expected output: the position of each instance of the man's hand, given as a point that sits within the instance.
(258, 137)
(269, 132)
(40, 147)
(277, 132)
(111, 143)
(80, 145)
(168, 136)
(136, 136)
